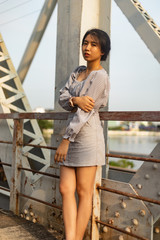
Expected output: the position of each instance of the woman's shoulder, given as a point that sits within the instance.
(102, 74)
(75, 72)
(80, 69)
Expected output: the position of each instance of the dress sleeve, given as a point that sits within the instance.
(65, 95)
(98, 90)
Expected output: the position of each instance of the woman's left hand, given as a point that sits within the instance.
(62, 150)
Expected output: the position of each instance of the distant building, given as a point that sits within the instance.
(39, 109)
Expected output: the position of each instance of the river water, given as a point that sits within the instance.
(138, 144)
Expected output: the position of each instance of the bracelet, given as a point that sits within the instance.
(71, 102)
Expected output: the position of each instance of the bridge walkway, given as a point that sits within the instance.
(13, 227)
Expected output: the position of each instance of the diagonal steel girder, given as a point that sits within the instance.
(35, 38)
(144, 25)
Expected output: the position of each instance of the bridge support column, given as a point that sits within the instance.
(15, 186)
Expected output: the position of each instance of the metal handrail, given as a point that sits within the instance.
(121, 230)
(153, 116)
(125, 116)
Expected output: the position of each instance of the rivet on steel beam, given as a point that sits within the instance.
(30, 206)
(50, 226)
(155, 166)
(157, 230)
(105, 229)
(25, 211)
(142, 213)
(34, 220)
(120, 237)
(123, 205)
(139, 186)
(147, 176)
(135, 221)
(117, 214)
(128, 229)
(111, 221)
(31, 214)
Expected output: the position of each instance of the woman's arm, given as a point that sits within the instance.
(98, 91)
(65, 95)
(86, 103)
(62, 150)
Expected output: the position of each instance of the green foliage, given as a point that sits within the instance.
(115, 128)
(45, 124)
(123, 163)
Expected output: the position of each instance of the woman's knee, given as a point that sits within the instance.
(84, 192)
(66, 189)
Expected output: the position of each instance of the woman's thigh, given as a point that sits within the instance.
(85, 178)
(67, 179)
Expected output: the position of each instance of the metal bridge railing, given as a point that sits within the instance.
(16, 165)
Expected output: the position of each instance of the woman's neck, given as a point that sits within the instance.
(93, 66)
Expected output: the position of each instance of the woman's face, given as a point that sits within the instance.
(91, 49)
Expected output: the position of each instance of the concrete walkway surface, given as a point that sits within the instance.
(13, 227)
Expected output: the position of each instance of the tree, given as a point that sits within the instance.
(123, 163)
(45, 124)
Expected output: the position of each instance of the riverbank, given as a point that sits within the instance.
(132, 133)
(48, 132)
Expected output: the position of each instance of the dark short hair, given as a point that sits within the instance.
(104, 41)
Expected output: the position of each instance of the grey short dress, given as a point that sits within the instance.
(84, 129)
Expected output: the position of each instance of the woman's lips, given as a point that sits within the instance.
(86, 54)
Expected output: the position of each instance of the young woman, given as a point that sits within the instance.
(82, 148)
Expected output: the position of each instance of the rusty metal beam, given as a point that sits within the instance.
(145, 159)
(121, 230)
(40, 201)
(7, 142)
(6, 164)
(129, 195)
(153, 116)
(40, 146)
(39, 172)
(4, 189)
(16, 162)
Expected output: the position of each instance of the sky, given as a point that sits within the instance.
(134, 72)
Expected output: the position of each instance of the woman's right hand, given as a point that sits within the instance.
(86, 103)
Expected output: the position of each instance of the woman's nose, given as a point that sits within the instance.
(88, 46)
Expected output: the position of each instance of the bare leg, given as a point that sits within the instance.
(67, 189)
(85, 182)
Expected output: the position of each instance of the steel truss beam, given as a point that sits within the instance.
(13, 99)
(144, 25)
(36, 37)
